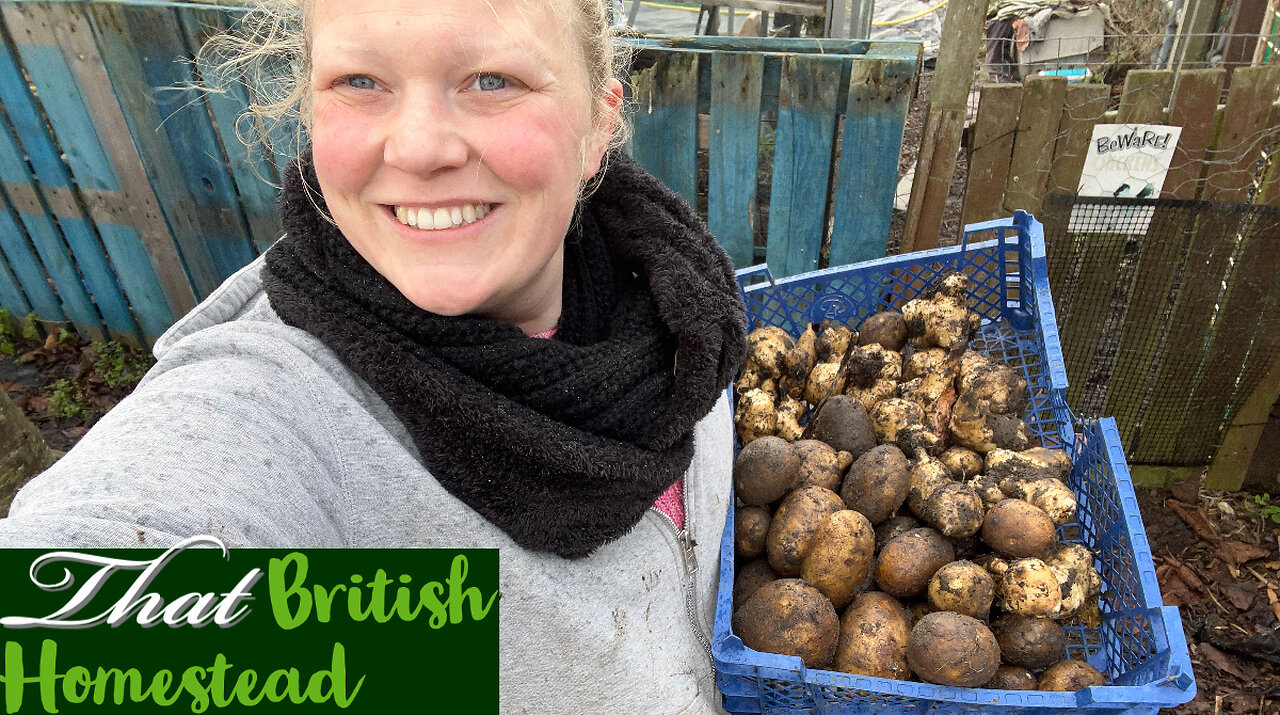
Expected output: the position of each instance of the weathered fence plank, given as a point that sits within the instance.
(879, 93)
(1038, 119)
(1253, 89)
(1083, 107)
(1193, 107)
(804, 139)
(56, 188)
(665, 135)
(11, 297)
(1239, 444)
(992, 140)
(1080, 329)
(734, 152)
(1146, 92)
(1249, 287)
(58, 52)
(25, 262)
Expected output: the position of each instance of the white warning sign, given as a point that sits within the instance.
(1124, 161)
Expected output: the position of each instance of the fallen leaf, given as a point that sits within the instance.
(38, 403)
(1174, 590)
(51, 342)
(1187, 490)
(1186, 574)
(1194, 518)
(1238, 552)
(74, 432)
(1240, 595)
(1220, 660)
(1275, 602)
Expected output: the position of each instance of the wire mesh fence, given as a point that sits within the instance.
(1170, 317)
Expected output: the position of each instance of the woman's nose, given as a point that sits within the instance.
(425, 136)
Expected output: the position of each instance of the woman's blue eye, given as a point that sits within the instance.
(490, 82)
(361, 82)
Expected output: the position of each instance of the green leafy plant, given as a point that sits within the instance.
(8, 334)
(119, 365)
(1265, 509)
(68, 398)
(31, 327)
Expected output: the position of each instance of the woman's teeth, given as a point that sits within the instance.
(444, 217)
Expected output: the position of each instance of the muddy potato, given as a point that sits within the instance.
(893, 415)
(871, 374)
(1016, 528)
(873, 637)
(756, 416)
(961, 462)
(912, 558)
(1055, 498)
(1029, 641)
(793, 525)
(1080, 582)
(839, 556)
(1028, 465)
(955, 509)
(886, 328)
(789, 617)
(765, 470)
(820, 465)
(833, 342)
(975, 426)
(995, 566)
(873, 395)
(1011, 677)
(790, 412)
(892, 527)
(988, 490)
(999, 385)
(750, 531)
(941, 318)
(842, 422)
(952, 649)
(927, 475)
(748, 577)
(824, 380)
(963, 587)
(799, 362)
(923, 362)
(767, 349)
(1069, 676)
(1030, 588)
(877, 483)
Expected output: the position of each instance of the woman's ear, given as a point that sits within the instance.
(608, 116)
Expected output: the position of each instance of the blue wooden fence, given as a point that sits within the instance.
(126, 200)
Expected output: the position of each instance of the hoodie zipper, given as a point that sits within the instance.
(689, 562)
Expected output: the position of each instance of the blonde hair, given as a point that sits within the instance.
(268, 54)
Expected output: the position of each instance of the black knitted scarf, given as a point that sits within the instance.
(563, 443)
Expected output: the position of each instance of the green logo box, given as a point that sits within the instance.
(203, 629)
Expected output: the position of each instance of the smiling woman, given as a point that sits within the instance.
(484, 327)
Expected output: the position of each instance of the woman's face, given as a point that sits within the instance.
(450, 138)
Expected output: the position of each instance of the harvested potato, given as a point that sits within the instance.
(1055, 498)
(893, 526)
(963, 587)
(873, 637)
(1016, 528)
(975, 426)
(879, 391)
(942, 317)
(1012, 677)
(843, 423)
(825, 379)
(1028, 465)
(871, 374)
(926, 477)
(887, 329)
(1003, 389)
(877, 483)
(833, 342)
(799, 362)
(893, 415)
(1030, 588)
(749, 577)
(789, 617)
(748, 379)
(1072, 565)
(1070, 675)
(756, 416)
(790, 413)
(750, 531)
(912, 558)
(995, 566)
(924, 362)
(820, 465)
(793, 525)
(952, 649)
(765, 470)
(962, 463)
(839, 556)
(955, 509)
(928, 390)
(767, 349)
(988, 489)
(1029, 641)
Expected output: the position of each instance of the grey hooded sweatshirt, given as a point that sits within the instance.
(253, 431)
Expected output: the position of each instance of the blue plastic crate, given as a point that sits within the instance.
(1140, 645)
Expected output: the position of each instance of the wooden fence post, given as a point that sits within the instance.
(944, 122)
(1231, 463)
